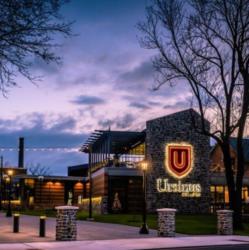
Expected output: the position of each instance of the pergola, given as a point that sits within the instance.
(104, 144)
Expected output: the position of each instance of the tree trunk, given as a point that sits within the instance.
(229, 174)
(239, 184)
(239, 178)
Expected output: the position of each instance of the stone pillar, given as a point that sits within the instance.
(225, 222)
(166, 222)
(66, 226)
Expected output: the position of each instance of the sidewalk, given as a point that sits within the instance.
(131, 244)
(29, 230)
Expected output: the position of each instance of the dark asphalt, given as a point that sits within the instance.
(227, 247)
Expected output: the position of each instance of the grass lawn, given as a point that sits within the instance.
(47, 212)
(185, 224)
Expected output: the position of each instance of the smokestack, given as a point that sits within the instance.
(21, 153)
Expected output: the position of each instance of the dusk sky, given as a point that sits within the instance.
(105, 80)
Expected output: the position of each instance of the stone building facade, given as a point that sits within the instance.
(188, 194)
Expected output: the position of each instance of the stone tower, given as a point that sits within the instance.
(178, 156)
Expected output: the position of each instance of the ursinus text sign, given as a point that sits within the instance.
(185, 189)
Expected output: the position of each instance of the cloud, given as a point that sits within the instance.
(153, 103)
(105, 123)
(67, 123)
(38, 65)
(178, 105)
(118, 122)
(139, 105)
(88, 100)
(41, 131)
(124, 121)
(140, 77)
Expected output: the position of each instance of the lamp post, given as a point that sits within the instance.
(144, 228)
(8, 180)
(89, 151)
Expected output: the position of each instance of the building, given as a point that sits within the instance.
(180, 181)
(78, 170)
(183, 172)
(38, 192)
(116, 179)
(10, 185)
(218, 188)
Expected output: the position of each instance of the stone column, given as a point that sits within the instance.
(225, 222)
(166, 222)
(66, 226)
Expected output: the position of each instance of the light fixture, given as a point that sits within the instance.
(144, 165)
(10, 172)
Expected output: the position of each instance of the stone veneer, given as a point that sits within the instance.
(177, 128)
(66, 225)
(225, 222)
(166, 222)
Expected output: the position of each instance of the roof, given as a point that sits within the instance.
(118, 141)
(51, 178)
(189, 113)
(79, 167)
(233, 143)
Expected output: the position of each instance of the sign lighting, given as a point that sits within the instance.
(179, 159)
(185, 189)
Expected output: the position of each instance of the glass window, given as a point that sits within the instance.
(226, 195)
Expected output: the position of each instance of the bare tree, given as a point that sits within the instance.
(205, 44)
(27, 30)
(38, 170)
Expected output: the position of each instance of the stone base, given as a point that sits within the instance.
(225, 222)
(66, 226)
(166, 222)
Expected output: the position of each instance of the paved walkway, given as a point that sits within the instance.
(87, 230)
(99, 236)
(135, 244)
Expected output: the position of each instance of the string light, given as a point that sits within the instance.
(58, 149)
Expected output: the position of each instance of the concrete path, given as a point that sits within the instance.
(99, 236)
(132, 244)
(87, 230)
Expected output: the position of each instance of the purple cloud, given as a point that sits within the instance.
(88, 100)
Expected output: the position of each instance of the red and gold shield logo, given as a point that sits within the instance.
(179, 159)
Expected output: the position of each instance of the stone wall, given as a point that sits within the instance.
(177, 128)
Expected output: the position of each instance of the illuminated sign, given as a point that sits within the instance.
(179, 164)
(185, 189)
(179, 160)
